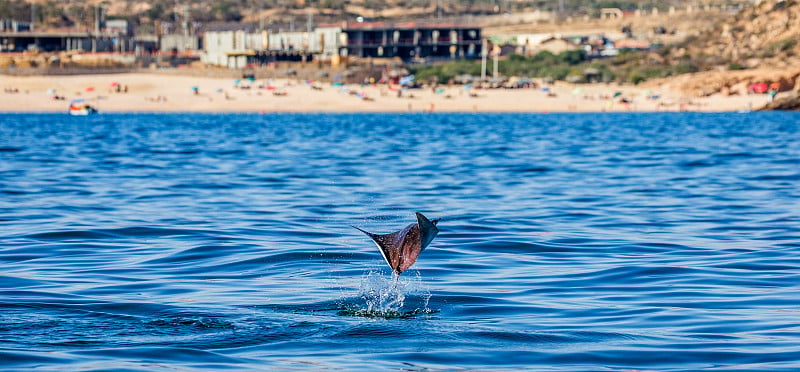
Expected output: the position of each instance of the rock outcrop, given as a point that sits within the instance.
(791, 103)
(701, 84)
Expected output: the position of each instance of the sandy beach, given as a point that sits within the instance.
(154, 92)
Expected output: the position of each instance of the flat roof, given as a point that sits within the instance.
(405, 25)
(55, 34)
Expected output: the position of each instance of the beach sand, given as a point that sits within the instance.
(155, 92)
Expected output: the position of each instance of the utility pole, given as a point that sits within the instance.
(33, 14)
(495, 61)
(483, 59)
(96, 28)
(186, 20)
(310, 21)
(496, 69)
(261, 17)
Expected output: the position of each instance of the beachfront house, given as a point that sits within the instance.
(107, 36)
(231, 48)
(322, 42)
(556, 45)
(11, 25)
(179, 43)
(411, 40)
(59, 41)
(249, 47)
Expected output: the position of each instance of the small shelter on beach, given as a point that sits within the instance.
(556, 46)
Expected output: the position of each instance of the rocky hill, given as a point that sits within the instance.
(81, 13)
(759, 45)
(765, 35)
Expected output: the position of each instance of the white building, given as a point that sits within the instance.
(328, 41)
(231, 48)
(179, 43)
(234, 49)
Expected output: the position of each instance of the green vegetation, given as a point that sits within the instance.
(545, 64)
(628, 67)
(445, 71)
(778, 47)
(735, 66)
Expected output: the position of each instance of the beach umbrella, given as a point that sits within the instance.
(236, 82)
(406, 80)
(440, 91)
(545, 89)
(89, 89)
(617, 94)
(251, 78)
(114, 84)
(759, 87)
(467, 87)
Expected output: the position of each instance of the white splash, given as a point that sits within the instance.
(386, 296)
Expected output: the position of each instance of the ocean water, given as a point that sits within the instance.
(568, 242)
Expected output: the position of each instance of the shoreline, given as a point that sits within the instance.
(156, 93)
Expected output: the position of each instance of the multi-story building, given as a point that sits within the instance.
(21, 36)
(411, 40)
(243, 47)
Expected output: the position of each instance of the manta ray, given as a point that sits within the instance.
(401, 248)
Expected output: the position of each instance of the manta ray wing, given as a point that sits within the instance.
(388, 246)
(427, 230)
(401, 248)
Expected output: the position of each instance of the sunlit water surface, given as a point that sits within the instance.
(568, 242)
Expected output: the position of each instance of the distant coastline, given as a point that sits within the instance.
(159, 92)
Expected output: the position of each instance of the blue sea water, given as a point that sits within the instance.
(568, 242)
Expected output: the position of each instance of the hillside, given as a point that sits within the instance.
(765, 35)
(81, 14)
(758, 45)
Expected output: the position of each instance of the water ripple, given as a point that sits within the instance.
(568, 242)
